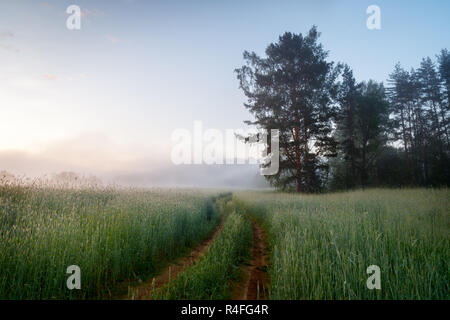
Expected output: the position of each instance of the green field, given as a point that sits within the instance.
(320, 245)
(210, 278)
(112, 235)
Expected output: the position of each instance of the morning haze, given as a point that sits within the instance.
(104, 100)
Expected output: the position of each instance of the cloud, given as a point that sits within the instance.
(87, 152)
(46, 4)
(70, 77)
(85, 13)
(99, 155)
(98, 151)
(30, 164)
(111, 38)
(5, 35)
(50, 76)
(141, 174)
(9, 47)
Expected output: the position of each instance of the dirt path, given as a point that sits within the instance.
(144, 291)
(255, 280)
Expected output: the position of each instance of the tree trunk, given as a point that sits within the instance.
(363, 168)
(298, 158)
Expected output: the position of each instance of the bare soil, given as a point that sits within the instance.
(254, 283)
(144, 291)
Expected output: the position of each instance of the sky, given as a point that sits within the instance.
(108, 97)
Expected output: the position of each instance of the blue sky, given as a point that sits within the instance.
(137, 70)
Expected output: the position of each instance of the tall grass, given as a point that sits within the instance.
(322, 244)
(112, 235)
(211, 276)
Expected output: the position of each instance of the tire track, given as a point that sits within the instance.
(144, 291)
(255, 281)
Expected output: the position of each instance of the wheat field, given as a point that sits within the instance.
(322, 244)
(319, 245)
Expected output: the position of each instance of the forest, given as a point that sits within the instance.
(337, 133)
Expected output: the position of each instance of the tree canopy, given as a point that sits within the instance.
(337, 133)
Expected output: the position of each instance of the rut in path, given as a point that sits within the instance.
(255, 282)
(144, 291)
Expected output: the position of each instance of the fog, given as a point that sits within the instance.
(113, 166)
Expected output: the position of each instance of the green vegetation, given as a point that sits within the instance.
(322, 244)
(336, 133)
(210, 277)
(112, 235)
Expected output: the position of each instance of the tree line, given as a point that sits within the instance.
(337, 133)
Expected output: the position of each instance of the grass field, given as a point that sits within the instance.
(319, 245)
(211, 276)
(322, 244)
(112, 235)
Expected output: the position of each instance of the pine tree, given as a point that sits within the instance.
(346, 126)
(444, 74)
(292, 89)
(372, 123)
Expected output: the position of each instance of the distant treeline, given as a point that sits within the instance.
(336, 133)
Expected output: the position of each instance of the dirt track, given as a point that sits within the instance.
(252, 286)
(255, 281)
(144, 291)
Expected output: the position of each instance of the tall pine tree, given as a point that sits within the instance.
(292, 89)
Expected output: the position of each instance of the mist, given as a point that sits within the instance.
(97, 155)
